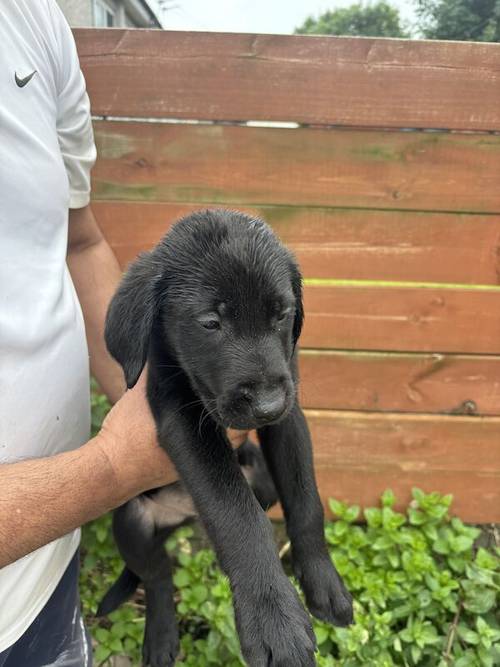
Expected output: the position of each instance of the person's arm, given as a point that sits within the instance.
(43, 499)
(96, 273)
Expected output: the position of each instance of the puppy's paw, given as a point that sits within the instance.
(326, 596)
(274, 628)
(160, 648)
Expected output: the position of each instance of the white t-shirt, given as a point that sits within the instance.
(46, 153)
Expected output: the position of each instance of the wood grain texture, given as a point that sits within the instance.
(332, 80)
(410, 383)
(402, 319)
(340, 243)
(236, 166)
(358, 455)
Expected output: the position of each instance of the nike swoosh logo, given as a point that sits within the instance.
(22, 82)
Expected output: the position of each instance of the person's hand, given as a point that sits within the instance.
(128, 439)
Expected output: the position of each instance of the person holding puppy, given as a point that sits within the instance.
(57, 276)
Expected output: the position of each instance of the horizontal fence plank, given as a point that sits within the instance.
(358, 455)
(305, 167)
(328, 80)
(415, 383)
(402, 319)
(340, 243)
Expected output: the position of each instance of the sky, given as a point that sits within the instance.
(263, 16)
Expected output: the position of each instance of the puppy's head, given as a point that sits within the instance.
(222, 298)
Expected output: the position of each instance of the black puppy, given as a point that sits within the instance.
(216, 310)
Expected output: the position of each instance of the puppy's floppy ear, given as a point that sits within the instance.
(131, 314)
(299, 307)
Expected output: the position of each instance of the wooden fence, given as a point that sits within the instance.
(378, 162)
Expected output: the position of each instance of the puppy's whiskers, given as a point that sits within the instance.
(188, 405)
(206, 413)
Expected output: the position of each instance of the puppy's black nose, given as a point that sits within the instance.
(269, 406)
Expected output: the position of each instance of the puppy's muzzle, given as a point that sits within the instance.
(268, 406)
(250, 406)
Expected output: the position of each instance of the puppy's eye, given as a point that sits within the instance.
(210, 322)
(283, 315)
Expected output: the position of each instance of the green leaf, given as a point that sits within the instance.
(340, 528)
(393, 557)
(487, 560)
(129, 645)
(200, 593)
(89, 561)
(485, 630)
(116, 645)
(485, 658)
(102, 635)
(337, 507)
(466, 660)
(101, 654)
(416, 652)
(383, 542)
(373, 517)
(418, 494)
(119, 629)
(388, 498)
(417, 518)
(430, 532)
(184, 559)
(181, 579)
(457, 564)
(101, 534)
(480, 576)
(479, 599)
(461, 543)
(429, 635)
(391, 520)
(352, 513)
(468, 635)
(321, 633)
(442, 546)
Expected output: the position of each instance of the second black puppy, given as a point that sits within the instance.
(216, 310)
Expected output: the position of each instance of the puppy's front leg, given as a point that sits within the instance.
(274, 628)
(288, 451)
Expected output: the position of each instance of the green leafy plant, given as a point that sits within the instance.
(421, 587)
(426, 586)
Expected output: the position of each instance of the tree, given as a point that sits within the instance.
(470, 20)
(372, 20)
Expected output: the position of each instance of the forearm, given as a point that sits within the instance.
(43, 499)
(96, 273)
